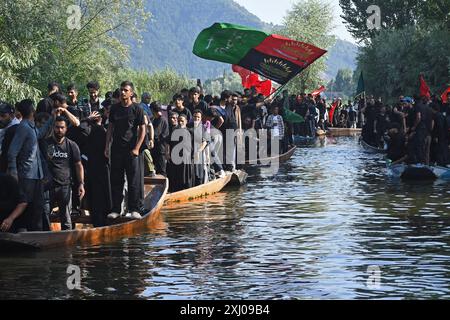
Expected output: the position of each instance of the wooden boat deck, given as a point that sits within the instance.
(197, 192)
(87, 235)
(344, 132)
(281, 158)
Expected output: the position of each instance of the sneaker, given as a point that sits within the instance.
(113, 215)
(133, 215)
(222, 174)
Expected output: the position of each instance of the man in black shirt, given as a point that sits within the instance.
(161, 137)
(94, 98)
(78, 108)
(439, 142)
(421, 131)
(63, 157)
(195, 103)
(12, 205)
(127, 131)
(180, 108)
(46, 104)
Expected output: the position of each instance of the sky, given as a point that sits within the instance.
(274, 11)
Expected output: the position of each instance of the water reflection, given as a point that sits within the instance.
(310, 231)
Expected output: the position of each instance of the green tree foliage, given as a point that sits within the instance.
(344, 82)
(413, 39)
(310, 21)
(161, 84)
(395, 15)
(394, 59)
(229, 81)
(38, 44)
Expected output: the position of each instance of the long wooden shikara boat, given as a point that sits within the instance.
(369, 148)
(197, 192)
(418, 172)
(86, 234)
(267, 161)
(342, 132)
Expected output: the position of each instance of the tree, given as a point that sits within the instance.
(310, 21)
(229, 81)
(394, 14)
(344, 81)
(392, 62)
(161, 84)
(59, 42)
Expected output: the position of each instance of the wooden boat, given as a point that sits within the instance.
(239, 178)
(418, 172)
(86, 234)
(302, 141)
(198, 192)
(369, 148)
(267, 161)
(342, 132)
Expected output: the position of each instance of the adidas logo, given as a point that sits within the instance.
(58, 154)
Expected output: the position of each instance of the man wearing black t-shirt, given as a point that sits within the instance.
(195, 103)
(63, 157)
(126, 130)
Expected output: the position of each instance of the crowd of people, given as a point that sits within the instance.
(414, 130)
(91, 155)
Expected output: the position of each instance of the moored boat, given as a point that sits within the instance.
(267, 161)
(86, 234)
(341, 132)
(369, 148)
(197, 192)
(418, 172)
(239, 178)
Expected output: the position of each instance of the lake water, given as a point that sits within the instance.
(329, 225)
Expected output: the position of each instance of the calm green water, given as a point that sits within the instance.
(310, 231)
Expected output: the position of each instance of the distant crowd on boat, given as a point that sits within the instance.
(415, 130)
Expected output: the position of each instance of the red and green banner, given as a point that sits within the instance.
(272, 56)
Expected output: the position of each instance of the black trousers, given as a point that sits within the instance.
(122, 162)
(33, 191)
(160, 162)
(60, 196)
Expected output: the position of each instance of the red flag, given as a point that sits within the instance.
(424, 89)
(318, 91)
(244, 73)
(265, 87)
(333, 108)
(251, 79)
(444, 95)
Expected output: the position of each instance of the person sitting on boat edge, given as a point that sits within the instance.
(396, 141)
